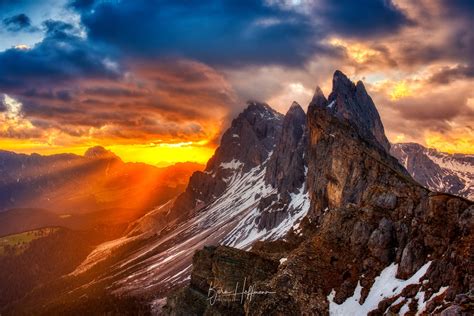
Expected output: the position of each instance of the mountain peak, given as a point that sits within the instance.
(319, 99)
(295, 104)
(351, 103)
(99, 152)
(341, 82)
(286, 169)
(295, 108)
(258, 107)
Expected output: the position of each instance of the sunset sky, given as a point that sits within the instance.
(158, 81)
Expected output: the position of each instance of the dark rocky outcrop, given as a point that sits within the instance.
(347, 165)
(216, 269)
(286, 169)
(351, 104)
(249, 141)
(366, 214)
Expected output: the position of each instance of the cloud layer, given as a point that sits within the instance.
(150, 72)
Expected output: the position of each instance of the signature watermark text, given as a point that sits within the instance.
(239, 294)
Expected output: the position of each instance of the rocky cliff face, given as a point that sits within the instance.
(229, 268)
(351, 104)
(374, 242)
(286, 170)
(347, 166)
(259, 140)
(253, 188)
(437, 171)
(245, 145)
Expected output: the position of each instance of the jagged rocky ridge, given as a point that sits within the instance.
(438, 171)
(374, 241)
(253, 188)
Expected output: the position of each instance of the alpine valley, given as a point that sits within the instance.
(312, 213)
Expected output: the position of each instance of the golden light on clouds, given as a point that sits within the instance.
(400, 90)
(29, 139)
(22, 47)
(470, 103)
(11, 120)
(356, 51)
(164, 154)
(400, 138)
(461, 142)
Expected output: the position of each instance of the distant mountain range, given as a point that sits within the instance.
(310, 209)
(438, 171)
(54, 210)
(80, 191)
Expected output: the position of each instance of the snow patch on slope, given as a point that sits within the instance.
(438, 171)
(386, 285)
(247, 232)
(233, 164)
(100, 253)
(229, 219)
(463, 171)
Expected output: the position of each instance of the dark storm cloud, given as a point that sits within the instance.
(447, 74)
(455, 18)
(148, 105)
(233, 32)
(459, 7)
(61, 55)
(19, 22)
(227, 32)
(219, 33)
(362, 18)
(48, 94)
(82, 4)
(3, 108)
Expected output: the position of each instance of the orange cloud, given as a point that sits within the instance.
(159, 113)
(461, 142)
(400, 90)
(359, 52)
